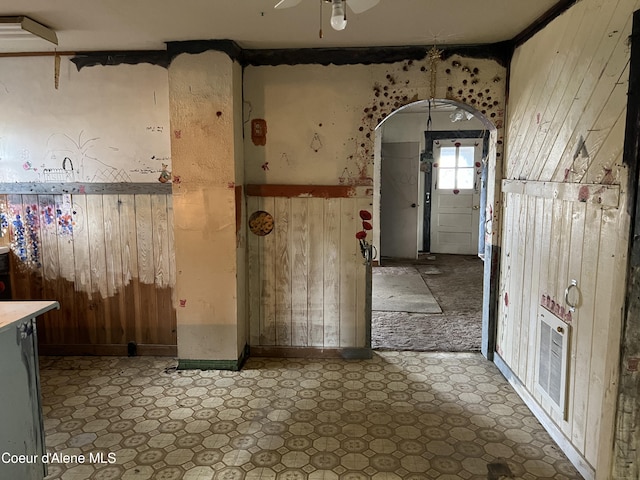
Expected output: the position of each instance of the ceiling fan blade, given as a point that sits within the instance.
(287, 3)
(359, 6)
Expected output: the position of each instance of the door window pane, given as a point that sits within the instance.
(465, 178)
(466, 157)
(456, 168)
(447, 178)
(447, 157)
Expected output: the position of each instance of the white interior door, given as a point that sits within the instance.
(399, 200)
(455, 196)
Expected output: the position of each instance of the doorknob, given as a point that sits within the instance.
(413, 205)
(476, 207)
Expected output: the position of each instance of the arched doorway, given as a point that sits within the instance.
(431, 163)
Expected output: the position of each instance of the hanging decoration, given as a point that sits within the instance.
(56, 71)
(434, 55)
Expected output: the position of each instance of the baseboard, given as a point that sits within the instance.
(107, 350)
(574, 456)
(312, 352)
(233, 365)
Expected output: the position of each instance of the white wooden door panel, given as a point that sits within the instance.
(455, 196)
(399, 200)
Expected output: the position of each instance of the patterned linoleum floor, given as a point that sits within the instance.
(400, 415)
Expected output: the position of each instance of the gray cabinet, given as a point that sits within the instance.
(21, 425)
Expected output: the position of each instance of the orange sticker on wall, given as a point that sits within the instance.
(259, 131)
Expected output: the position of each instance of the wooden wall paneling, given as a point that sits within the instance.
(67, 297)
(146, 270)
(171, 258)
(348, 244)
(315, 295)
(363, 316)
(299, 271)
(562, 283)
(546, 240)
(268, 254)
(84, 295)
(282, 232)
(20, 278)
(585, 249)
(33, 229)
(537, 233)
(518, 268)
(53, 323)
(98, 269)
(254, 275)
(164, 313)
(605, 337)
(616, 230)
(551, 284)
(504, 318)
(116, 322)
(531, 129)
(602, 169)
(529, 292)
(608, 100)
(129, 251)
(570, 104)
(332, 261)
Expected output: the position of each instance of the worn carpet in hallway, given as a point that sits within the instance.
(402, 289)
(455, 281)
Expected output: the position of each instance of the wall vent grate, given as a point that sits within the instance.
(552, 365)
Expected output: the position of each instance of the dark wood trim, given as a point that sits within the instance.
(311, 352)
(627, 430)
(500, 52)
(292, 191)
(542, 21)
(107, 350)
(230, 47)
(77, 188)
(91, 59)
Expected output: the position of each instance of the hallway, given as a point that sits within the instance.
(455, 281)
(399, 415)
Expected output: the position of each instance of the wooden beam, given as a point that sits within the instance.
(76, 188)
(605, 195)
(542, 21)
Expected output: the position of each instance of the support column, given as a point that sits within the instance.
(203, 93)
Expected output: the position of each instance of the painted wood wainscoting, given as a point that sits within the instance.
(105, 252)
(307, 278)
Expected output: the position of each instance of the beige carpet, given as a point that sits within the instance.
(401, 289)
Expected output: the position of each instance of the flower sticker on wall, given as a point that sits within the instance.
(366, 248)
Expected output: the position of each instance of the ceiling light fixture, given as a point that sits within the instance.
(338, 15)
(21, 27)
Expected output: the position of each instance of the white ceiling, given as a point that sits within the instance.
(94, 25)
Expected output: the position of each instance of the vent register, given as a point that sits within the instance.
(552, 365)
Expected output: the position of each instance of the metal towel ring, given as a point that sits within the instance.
(572, 307)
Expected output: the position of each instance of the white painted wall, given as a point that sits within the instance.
(112, 122)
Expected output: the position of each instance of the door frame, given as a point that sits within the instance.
(492, 184)
(429, 138)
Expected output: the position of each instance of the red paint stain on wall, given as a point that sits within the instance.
(183, 303)
(583, 194)
(633, 364)
(177, 133)
(506, 299)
